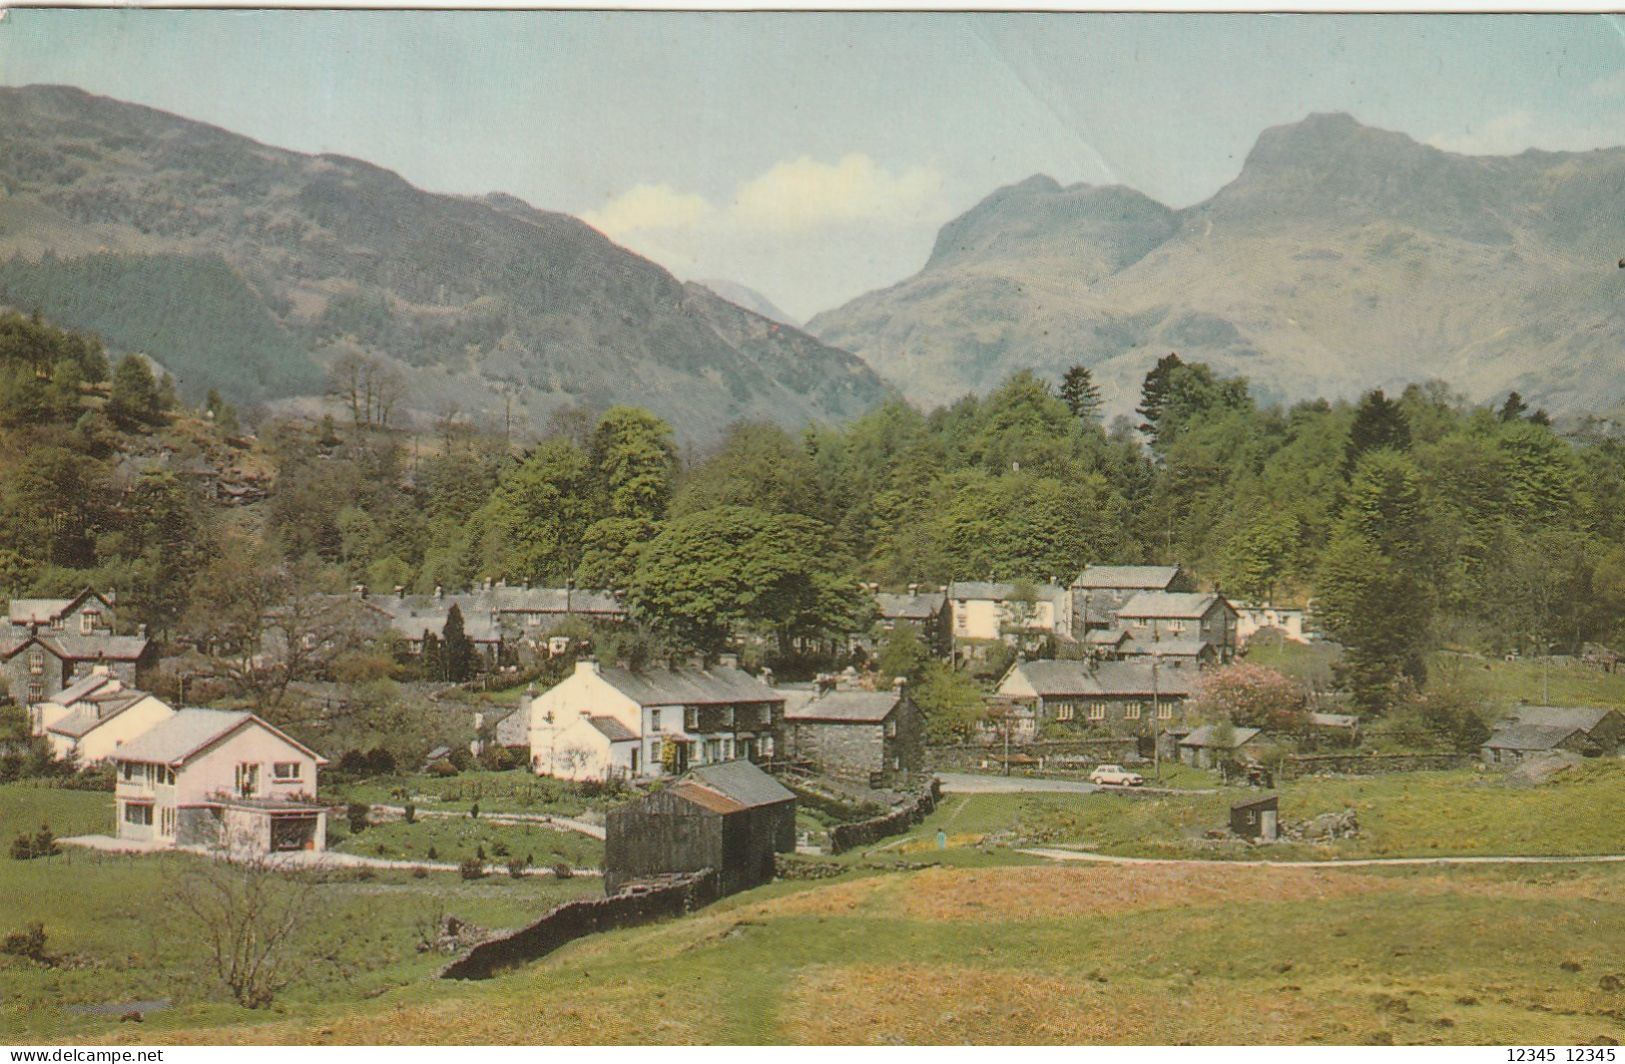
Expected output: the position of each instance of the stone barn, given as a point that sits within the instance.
(1257, 818)
(876, 738)
(731, 817)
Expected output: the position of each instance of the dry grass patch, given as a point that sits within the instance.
(1037, 893)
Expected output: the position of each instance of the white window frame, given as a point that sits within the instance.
(1132, 710)
(297, 775)
(1097, 711)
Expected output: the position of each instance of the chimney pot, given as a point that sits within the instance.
(900, 682)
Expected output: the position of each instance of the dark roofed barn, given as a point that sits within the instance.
(730, 817)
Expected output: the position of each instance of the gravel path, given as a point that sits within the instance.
(1351, 862)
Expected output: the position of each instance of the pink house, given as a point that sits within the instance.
(208, 777)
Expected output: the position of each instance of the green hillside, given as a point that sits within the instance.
(192, 314)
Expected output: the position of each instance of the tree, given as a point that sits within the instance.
(367, 387)
(1369, 603)
(134, 399)
(902, 653)
(636, 463)
(1177, 395)
(1081, 394)
(951, 702)
(531, 528)
(252, 916)
(1379, 424)
(261, 623)
(456, 652)
(610, 550)
(1514, 408)
(711, 571)
(1251, 696)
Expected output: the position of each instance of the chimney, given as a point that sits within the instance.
(914, 589)
(767, 676)
(360, 590)
(111, 596)
(141, 631)
(825, 682)
(900, 684)
(587, 666)
(400, 591)
(728, 661)
(487, 583)
(696, 661)
(439, 591)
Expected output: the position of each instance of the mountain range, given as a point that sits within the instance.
(249, 269)
(1341, 258)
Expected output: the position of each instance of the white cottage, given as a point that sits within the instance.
(602, 721)
(87, 723)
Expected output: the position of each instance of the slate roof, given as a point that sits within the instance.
(94, 713)
(1204, 736)
(175, 740)
(1054, 679)
(76, 647)
(1584, 718)
(1136, 678)
(740, 781)
(847, 707)
(1127, 577)
(688, 686)
(919, 607)
(1531, 737)
(82, 688)
(613, 730)
(1168, 648)
(1334, 720)
(36, 610)
(1001, 592)
(1109, 637)
(1184, 605)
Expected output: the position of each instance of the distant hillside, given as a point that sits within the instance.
(1341, 258)
(749, 298)
(247, 268)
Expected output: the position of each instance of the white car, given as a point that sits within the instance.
(1115, 776)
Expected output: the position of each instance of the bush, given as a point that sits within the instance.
(517, 866)
(29, 942)
(433, 854)
(357, 813)
(479, 851)
(365, 874)
(419, 872)
(474, 810)
(411, 813)
(472, 868)
(26, 847)
(443, 768)
(562, 870)
(499, 848)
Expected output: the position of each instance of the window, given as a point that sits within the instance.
(89, 621)
(654, 720)
(691, 718)
(656, 749)
(286, 771)
(127, 770)
(891, 728)
(166, 820)
(248, 779)
(36, 661)
(1063, 710)
(138, 814)
(1165, 710)
(36, 691)
(165, 775)
(1097, 711)
(56, 624)
(1131, 711)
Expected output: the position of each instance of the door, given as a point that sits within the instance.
(1266, 824)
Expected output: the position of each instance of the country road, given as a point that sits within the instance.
(973, 783)
(1055, 854)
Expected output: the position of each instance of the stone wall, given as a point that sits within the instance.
(1370, 764)
(641, 903)
(1081, 754)
(843, 837)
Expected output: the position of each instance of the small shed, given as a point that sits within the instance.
(1211, 745)
(1256, 818)
(731, 817)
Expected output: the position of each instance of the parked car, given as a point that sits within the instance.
(1115, 776)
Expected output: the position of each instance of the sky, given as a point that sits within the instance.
(811, 156)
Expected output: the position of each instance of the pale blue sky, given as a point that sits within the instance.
(813, 156)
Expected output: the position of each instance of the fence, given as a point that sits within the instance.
(843, 837)
(1370, 764)
(642, 904)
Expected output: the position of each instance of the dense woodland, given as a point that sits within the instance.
(1410, 522)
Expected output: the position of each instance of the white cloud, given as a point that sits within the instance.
(1612, 85)
(804, 194)
(791, 196)
(646, 207)
(1517, 131)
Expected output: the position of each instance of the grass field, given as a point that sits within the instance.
(1206, 954)
(462, 837)
(514, 791)
(1420, 814)
(106, 923)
